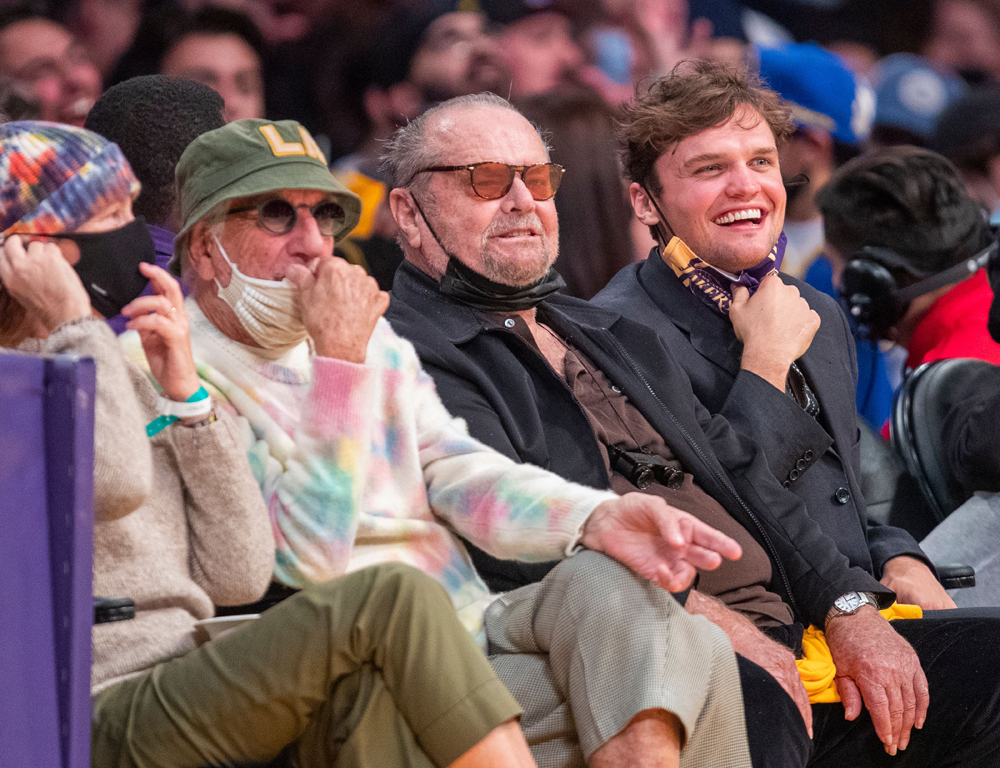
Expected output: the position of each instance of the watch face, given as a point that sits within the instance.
(850, 602)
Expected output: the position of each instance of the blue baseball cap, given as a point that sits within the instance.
(910, 93)
(820, 90)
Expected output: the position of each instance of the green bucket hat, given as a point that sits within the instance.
(250, 157)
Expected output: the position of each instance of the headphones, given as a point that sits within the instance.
(874, 299)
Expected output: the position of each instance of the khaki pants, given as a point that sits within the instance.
(372, 669)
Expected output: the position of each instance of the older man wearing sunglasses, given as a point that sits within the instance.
(360, 464)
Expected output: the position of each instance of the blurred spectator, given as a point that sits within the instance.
(968, 134)
(635, 40)
(833, 110)
(41, 56)
(965, 36)
(223, 50)
(106, 28)
(912, 203)
(595, 237)
(537, 43)
(910, 94)
(425, 56)
(152, 119)
(16, 101)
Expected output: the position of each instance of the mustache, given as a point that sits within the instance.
(516, 221)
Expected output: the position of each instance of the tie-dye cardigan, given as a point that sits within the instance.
(362, 464)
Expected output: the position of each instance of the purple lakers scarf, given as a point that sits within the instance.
(712, 285)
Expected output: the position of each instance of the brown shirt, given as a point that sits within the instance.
(743, 584)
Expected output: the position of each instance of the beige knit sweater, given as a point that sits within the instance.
(180, 521)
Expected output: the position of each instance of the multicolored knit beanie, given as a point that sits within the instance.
(55, 177)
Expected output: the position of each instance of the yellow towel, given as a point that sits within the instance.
(816, 668)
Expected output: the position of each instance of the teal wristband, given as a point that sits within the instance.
(172, 411)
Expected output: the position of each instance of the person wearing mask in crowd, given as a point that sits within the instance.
(372, 669)
(360, 463)
(425, 55)
(965, 37)
(537, 44)
(597, 398)
(41, 56)
(701, 149)
(152, 119)
(222, 49)
(968, 134)
(909, 208)
(595, 240)
(833, 110)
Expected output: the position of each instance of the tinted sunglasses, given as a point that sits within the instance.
(491, 181)
(279, 217)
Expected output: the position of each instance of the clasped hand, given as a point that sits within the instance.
(776, 326)
(340, 303)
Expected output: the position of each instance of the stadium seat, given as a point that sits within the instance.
(917, 424)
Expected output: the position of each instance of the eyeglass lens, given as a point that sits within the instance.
(493, 180)
(279, 216)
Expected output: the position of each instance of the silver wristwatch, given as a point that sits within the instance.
(849, 604)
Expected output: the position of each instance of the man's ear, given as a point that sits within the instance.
(406, 215)
(199, 251)
(644, 209)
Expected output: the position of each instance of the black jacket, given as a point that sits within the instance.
(817, 460)
(512, 401)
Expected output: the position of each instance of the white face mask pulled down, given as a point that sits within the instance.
(269, 310)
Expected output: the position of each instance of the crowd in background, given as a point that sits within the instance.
(237, 117)
(353, 72)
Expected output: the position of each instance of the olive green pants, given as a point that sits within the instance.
(372, 669)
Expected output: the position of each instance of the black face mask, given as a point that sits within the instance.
(109, 264)
(469, 287)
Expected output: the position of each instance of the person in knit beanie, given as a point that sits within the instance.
(54, 178)
(67, 188)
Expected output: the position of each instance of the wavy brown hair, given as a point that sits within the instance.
(695, 96)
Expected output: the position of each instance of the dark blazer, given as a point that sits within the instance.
(817, 460)
(513, 401)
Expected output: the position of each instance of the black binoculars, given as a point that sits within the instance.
(644, 469)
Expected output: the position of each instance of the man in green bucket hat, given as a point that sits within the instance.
(360, 463)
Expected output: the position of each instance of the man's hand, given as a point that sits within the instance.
(657, 541)
(876, 664)
(776, 327)
(914, 583)
(340, 306)
(43, 282)
(750, 643)
(163, 328)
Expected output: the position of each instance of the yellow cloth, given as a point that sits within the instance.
(816, 668)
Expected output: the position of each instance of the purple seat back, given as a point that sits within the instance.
(46, 559)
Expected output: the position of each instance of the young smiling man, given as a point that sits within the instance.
(701, 149)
